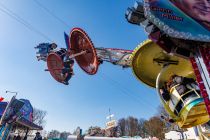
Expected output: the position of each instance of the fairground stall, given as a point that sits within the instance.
(16, 119)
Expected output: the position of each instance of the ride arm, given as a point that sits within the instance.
(115, 56)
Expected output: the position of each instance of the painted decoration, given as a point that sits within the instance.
(27, 110)
(3, 105)
(11, 112)
(184, 19)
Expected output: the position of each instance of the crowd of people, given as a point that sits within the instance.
(18, 137)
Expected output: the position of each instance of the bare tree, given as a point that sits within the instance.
(39, 117)
(155, 127)
(141, 128)
(122, 126)
(128, 126)
(132, 126)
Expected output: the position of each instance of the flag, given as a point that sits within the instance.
(66, 37)
(1, 99)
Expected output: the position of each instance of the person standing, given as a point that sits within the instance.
(38, 136)
(18, 137)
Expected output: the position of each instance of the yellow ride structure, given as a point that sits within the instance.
(152, 66)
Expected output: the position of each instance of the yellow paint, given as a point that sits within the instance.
(146, 69)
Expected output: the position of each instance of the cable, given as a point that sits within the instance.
(51, 13)
(22, 21)
(127, 92)
(64, 23)
(30, 27)
(131, 74)
(139, 101)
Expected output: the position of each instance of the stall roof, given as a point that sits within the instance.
(28, 124)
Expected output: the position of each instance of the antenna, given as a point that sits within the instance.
(110, 116)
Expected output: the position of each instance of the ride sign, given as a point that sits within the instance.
(173, 16)
(111, 124)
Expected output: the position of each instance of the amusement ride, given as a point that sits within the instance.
(177, 49)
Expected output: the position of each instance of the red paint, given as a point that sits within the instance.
(80, 41)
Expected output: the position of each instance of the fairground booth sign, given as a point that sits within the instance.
(16, 115)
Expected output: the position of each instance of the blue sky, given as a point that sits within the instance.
(86, 101)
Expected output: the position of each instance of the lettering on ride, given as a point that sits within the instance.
(164, 10)
(172, 17)
(166, 13)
